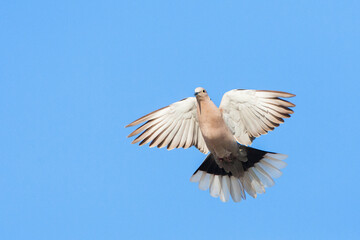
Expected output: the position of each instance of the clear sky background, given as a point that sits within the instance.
(74, 73)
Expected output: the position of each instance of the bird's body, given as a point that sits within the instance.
(218, 138)
(231, 168)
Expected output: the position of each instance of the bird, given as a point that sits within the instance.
(225, 133)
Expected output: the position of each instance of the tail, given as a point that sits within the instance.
(259, 171)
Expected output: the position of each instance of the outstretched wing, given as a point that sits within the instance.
(174, 126)
(251, 113)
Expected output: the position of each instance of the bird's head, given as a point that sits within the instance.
(200, 93)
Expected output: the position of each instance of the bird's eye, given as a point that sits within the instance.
(204, 91)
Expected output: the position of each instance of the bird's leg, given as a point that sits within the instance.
(226, 159)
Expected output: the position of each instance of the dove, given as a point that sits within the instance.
(232, 167)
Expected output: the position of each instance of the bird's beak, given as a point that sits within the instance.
(195, 94)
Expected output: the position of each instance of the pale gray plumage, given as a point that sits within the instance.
(242, 116)
(174, 126)
(251, 113)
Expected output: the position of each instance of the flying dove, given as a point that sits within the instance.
(232, 167)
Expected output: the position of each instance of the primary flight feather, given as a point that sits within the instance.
(232, 168)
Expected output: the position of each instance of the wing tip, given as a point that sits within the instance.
(280, 93)
(131, 134)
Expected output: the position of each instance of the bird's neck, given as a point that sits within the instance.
(208, 112)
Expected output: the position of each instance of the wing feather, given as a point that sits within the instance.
(172, 134)
(169, 134)
(189, 138)
(251, 113)
(159, 134)
(184, 134)
(176, 140)
(174, 126)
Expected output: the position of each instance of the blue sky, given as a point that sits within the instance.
(74, 73)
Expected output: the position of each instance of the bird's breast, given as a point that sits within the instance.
(216, 133)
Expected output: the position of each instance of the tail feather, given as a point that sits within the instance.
(205, 181)
(225, 189)
(259, 171)
(236, 189)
